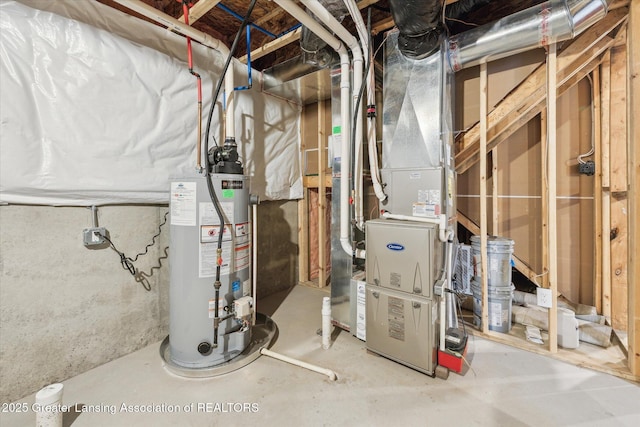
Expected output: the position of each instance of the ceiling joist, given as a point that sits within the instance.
(199, 10)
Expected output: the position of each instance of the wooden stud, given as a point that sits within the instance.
(303, 222)
(544, 205)
(274, 45)
(618, 186)
(597, 189)
(494, 191)
(531, 93)
(483, 197)
(551, 176)
(322, 201)
(605, 97)
(633, 50)
(199, 10)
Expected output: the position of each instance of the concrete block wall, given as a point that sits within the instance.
(65, 309)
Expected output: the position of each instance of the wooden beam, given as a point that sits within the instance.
(544, 201)
(633, 50)
(274, 45)
(483, 197)
(382, 25)
(313, 181)
(322, 201)
(303, 222)
(552, 222)
(494, 193)
(582, 51)
(596, 103)
(199, 10)
(605, 96)
(618, 186)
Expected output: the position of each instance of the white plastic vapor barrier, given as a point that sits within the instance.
(105, 112)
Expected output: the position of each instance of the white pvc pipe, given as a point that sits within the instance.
(371, 99)
(358, 67)
(328, 372)
(326, 323)
(47, 406)
(230, 123)
(345, 114)
(173, 24)
(254, 260)
(441, 222)
(203, 38)
(447, 286)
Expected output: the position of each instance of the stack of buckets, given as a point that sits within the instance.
(499, 250)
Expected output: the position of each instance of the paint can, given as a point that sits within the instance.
(499, 251)
(499, 306)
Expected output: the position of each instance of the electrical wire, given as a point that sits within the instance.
(593, 148)
(127, 263)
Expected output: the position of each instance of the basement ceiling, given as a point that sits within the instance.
(269, 47)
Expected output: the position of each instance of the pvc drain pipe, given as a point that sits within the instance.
(48, 403)
(328, 372)
(326, 323)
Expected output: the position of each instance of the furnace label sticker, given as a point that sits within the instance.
(183, 203)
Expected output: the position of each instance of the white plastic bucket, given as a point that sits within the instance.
(499, 306)
(499, 251)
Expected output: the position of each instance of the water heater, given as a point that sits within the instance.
(197, 337)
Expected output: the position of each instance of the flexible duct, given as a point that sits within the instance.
(538, 26)
(420, 26)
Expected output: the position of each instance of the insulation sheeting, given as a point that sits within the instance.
(98, 107)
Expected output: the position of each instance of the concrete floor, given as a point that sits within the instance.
(506, 387)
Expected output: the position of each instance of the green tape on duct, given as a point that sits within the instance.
(337, 130)
(227, 194)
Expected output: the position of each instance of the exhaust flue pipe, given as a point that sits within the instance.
(538, 26)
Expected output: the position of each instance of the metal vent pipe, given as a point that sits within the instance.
(538, 26)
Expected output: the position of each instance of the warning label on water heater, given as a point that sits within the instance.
(183, 203)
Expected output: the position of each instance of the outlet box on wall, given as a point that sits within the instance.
(544, 297)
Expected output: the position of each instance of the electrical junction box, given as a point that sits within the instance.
(93, 236)
(587, 168)
(242, 306)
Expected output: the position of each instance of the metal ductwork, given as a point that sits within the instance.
(538, 26)
(420, 26)
(314, 50)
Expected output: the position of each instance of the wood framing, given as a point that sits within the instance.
(618, 187)
(322, 200)
(303, 224)
(483, 197)
(273, 45)
(552, 230)
(527, 100)
(199, 10)
(633, 111)
(597, 187)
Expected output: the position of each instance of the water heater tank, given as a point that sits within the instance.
(195, 227)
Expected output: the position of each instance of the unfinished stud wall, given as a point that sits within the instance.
(520, 165)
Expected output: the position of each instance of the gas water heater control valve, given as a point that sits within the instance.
(243, 307)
